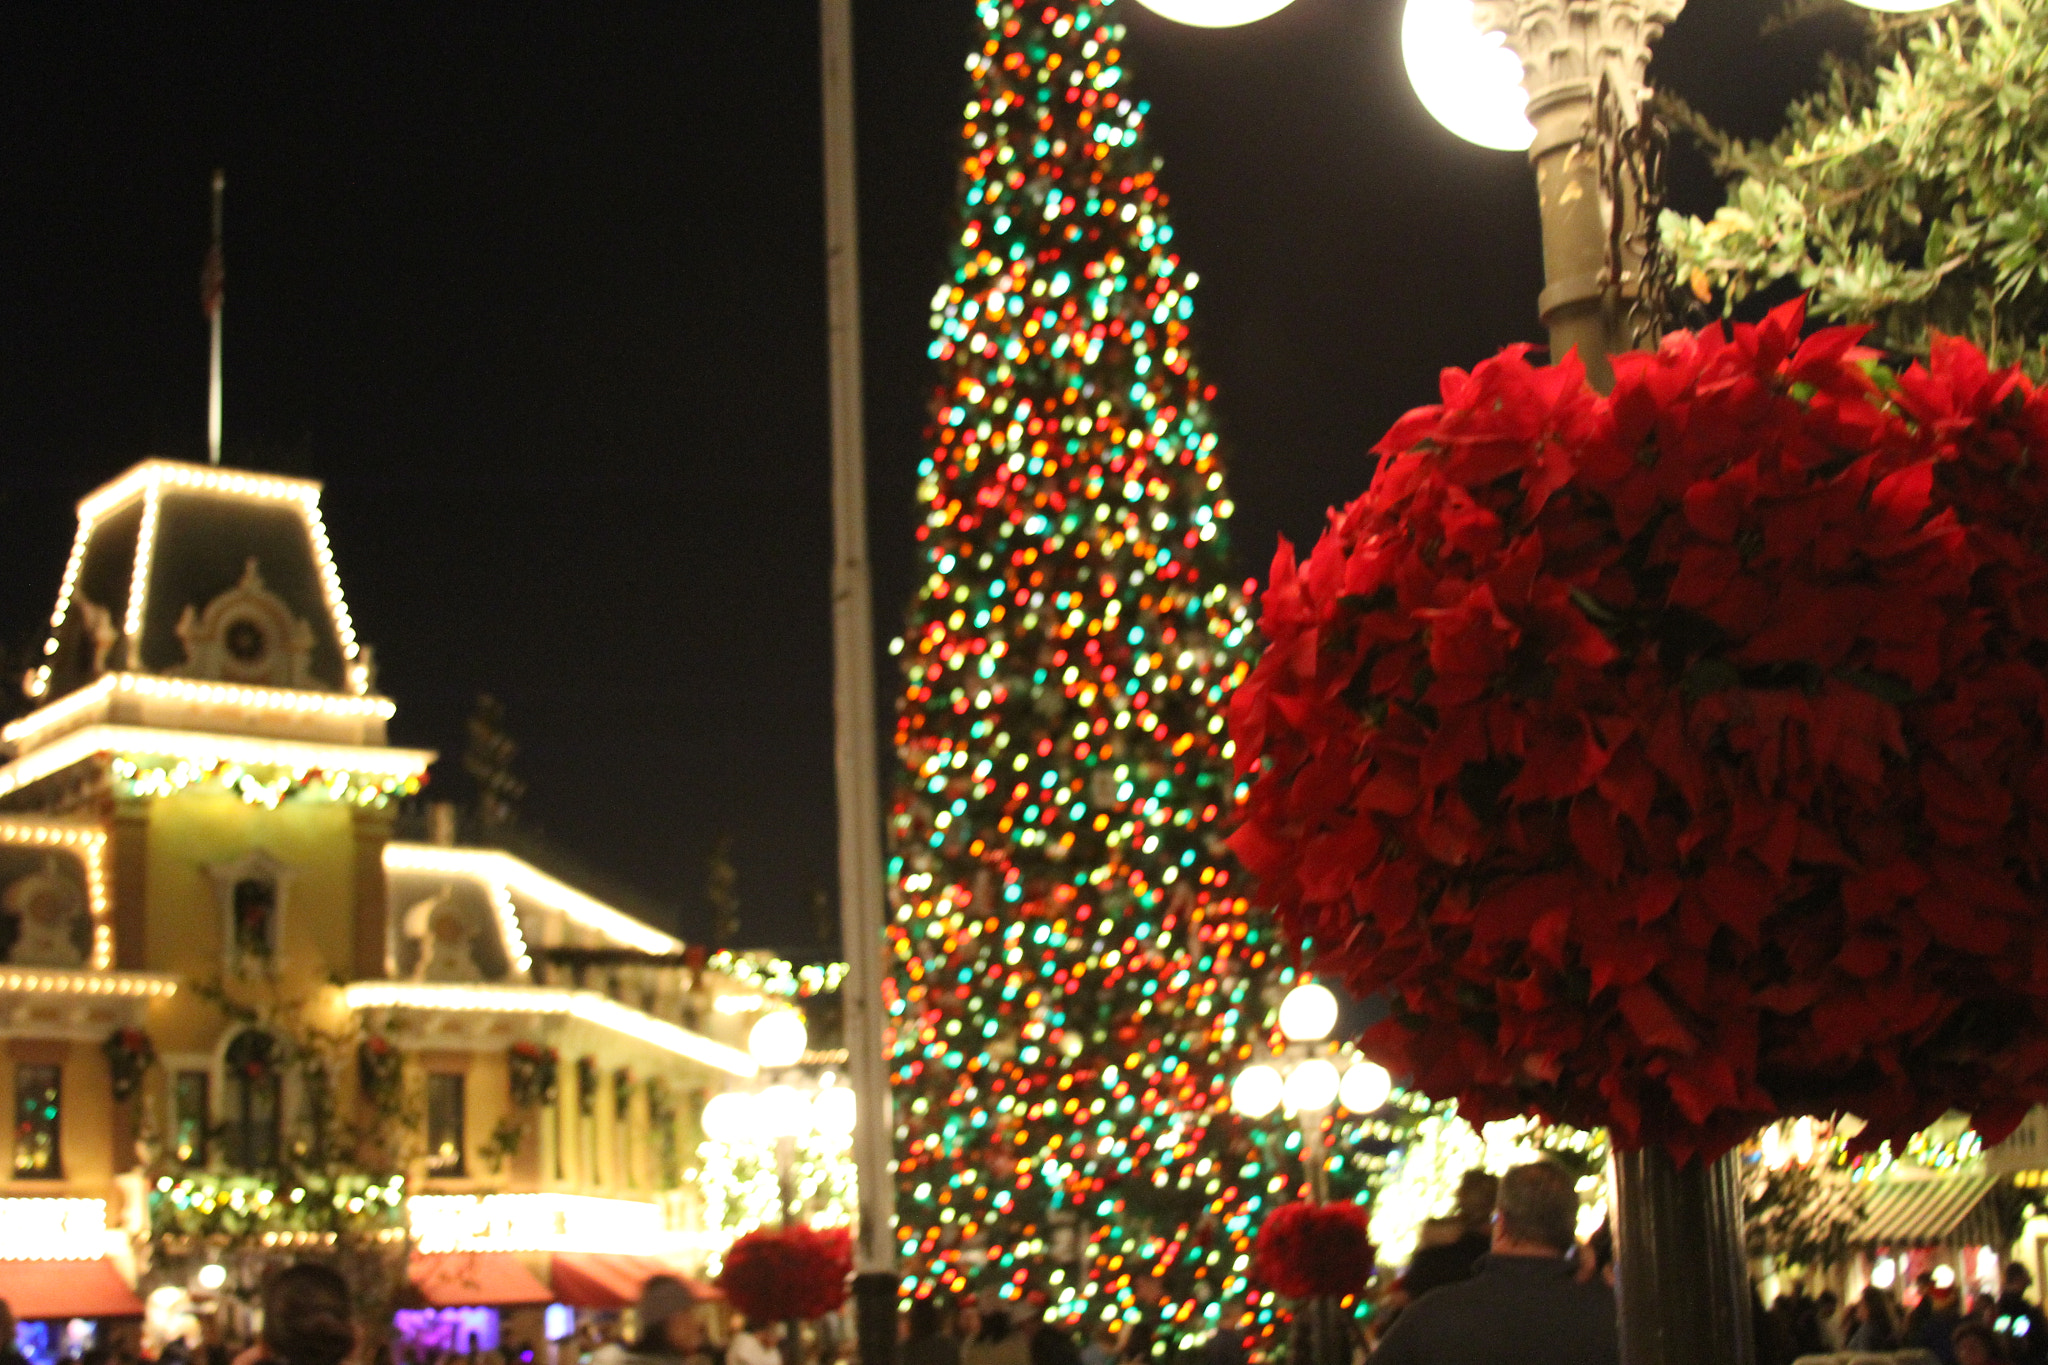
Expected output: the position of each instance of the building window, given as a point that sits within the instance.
(253, 905)
(251, 1088)
(38, 1102)
(191, 1111)
(445, 1146)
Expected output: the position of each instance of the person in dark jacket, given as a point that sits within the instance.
(928, 1342)
(1434, 1267)
(1051, 1344)
(1524, 1305)
(1931, 1323)
(2018, 1321)
(308, 1316)
(10, 1354)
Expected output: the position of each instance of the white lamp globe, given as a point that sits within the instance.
(1312, 1085)
(1365, 1088)
(784, 1111)
(832, 1110)
(1257, 1091)
(778, 1039)
(1469, 81)
(1215, 13)
(212, 1276)
(729, 1118)
(1308, 1013)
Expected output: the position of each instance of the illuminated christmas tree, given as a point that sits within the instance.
(1077, 974)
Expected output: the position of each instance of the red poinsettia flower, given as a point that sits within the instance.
(1305, 1251)
(1674, 760)
(798, 1272)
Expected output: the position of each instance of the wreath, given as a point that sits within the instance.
(535, 1072)
(130, 1054)
(1673, 761)
(379, 1068)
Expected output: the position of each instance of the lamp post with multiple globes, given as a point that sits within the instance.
(1564, 80)
(785, 1111)
(1302, 1079)
(1307, 1083)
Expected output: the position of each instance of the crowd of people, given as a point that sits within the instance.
(1503, 1282)
(2005, 1328)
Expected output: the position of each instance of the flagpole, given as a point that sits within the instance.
(853, 640)
(215, 298)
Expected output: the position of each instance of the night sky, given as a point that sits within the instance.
(538, 291)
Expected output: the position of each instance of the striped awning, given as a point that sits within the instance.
(1946, 1210)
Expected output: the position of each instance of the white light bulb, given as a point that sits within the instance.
(1308, 1013)
(212, 1276)
(778, 1039)
(1365, 1088)
(1215, 13)
(832, 1111)
(729, 1117)
(1256, 1092)
(1469, 81)
(1312, 1085)
(783, 1111)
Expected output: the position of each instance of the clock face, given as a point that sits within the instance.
(246, 640)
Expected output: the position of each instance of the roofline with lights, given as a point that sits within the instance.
(93, 741)
(148, 481)
(591, 1007)
(515, 874)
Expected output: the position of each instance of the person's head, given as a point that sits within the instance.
(924, 1319)
(1877, 1307)
(1537, 1211)
(668, 1318)
(6, 1323)
(2017, 1280)
(308, 1318)
(1478, 1192)
(1974, 1344)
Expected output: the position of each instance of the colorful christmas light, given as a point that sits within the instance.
(1078, 975)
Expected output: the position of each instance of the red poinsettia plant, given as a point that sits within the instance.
(799, 1272)
(1673, 761)
(1306, 1251)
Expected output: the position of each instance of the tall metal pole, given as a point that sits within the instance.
(213, 293)
(853, 641)
(1681, 1279)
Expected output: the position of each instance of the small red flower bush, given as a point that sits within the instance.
(799, 1272)
(1673, 761)
(1307, 1250)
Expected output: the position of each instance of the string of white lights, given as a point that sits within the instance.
(99, 693)
(589, 1006)
(454, 862)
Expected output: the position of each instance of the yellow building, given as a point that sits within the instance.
(241, 1021)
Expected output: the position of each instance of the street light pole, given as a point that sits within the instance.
(853, 692)
(1584, 66)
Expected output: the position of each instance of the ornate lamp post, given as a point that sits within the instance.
(788, 1110)
(1307, 1083)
